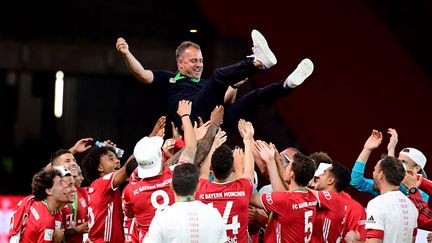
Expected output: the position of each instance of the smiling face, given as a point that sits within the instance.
(69, 189)
(68, 161)
(108, 163)
(190, 63)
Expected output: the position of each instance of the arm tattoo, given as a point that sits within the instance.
(205, 144)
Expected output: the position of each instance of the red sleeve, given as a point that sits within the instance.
(426, 186)
(374, 233)
(276, 202)
(127, 203)
(356, 220)
(45, 230)
(424, 220)
(326, 199)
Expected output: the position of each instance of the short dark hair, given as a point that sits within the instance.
(392, 169)
(90, 163)
(183, 46)
(303, 168)
(57, 154)
(222, 162)
(43, 180)
(319, 157)
(185, 179)
(341, 174)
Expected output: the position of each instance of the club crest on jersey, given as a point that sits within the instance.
(83, 202)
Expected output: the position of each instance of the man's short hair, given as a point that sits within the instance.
(185, 179)
(185, 45)
(303, 168)
(57, 154)
(90, 163)
(341, 174)
(392, 169)
(43, 180)
(319, 157)
(222, 162)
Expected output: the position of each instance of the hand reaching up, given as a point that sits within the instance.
(122, 46)
(246, 129)
(184, 108)
(217, 114)
(265, 151)
(159, 128)
(392, 141)
(374, 140)
(201, 130)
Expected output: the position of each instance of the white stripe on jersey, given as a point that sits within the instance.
(326, 229)
(108, 222)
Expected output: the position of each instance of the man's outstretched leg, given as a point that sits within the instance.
(214, 92)
(249, 103)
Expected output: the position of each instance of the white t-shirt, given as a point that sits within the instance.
(191, 221)
(393, 213)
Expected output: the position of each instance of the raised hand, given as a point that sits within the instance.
(122, 46)
(217, 114)
(246, 129)
(374, 140)
(265, 151)
(219, 139)
(392, 141)
(159, 128)
(201, 130)
(184, 108)
(81, 146)
(175, 132)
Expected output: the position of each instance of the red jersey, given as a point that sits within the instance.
(144, 197)
(41, 223)
(231, 199)
(20, 215)
(355, 216)
(74, 214)
(330, 217)
(130, 230)
(104, 211)
(292, 216)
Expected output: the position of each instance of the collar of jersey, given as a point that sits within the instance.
(180, 76)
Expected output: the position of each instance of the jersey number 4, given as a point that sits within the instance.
(235, 225)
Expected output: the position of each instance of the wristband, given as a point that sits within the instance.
(184, 115)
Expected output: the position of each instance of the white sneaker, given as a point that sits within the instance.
(303, 70)
(261, 50)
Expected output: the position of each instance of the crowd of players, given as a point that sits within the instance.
(194, 188)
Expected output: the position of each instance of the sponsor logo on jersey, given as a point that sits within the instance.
(269, 198)
(371, 220)
(327, 195)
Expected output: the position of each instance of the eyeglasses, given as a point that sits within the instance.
(287, 158)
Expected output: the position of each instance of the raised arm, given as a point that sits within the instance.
(392, 142)
(123, 173)
(81, 146)
(134, 66)
(247, 132)
(219, 139)
(204, 145)
(267, 152)
(184, 111)
(357, 174)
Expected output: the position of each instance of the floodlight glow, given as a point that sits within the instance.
(58, 94)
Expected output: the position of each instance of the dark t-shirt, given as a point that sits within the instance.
(182, 88)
